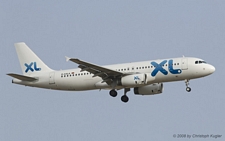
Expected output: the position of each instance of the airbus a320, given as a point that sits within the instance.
(145, 78)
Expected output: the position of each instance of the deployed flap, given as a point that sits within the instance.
(22, 77)
(102, 72)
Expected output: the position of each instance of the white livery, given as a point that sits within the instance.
(146, 78)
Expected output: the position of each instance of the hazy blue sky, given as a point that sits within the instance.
(107, 32)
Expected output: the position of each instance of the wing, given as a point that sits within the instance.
(22, 77)
(106, 74)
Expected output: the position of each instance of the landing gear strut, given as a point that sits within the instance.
(125, 98)
(188, 89)
(113, 93)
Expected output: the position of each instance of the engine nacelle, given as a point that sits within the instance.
(152, 89)
(135, 79)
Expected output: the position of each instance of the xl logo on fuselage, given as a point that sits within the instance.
(136, 78)
(159, 67)
(31, 68)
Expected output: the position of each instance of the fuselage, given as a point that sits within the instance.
(162, 70)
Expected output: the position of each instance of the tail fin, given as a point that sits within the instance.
(29, 61)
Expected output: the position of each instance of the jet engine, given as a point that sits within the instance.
(135, 80)
(152, 89)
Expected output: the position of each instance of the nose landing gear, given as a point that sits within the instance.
(188, 89)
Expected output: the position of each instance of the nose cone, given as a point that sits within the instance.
(211, 69)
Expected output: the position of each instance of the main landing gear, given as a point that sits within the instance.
(113, 93)
(124, 98)
(188, 89)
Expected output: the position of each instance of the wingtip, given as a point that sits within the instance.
(9, 74)
(67, 58)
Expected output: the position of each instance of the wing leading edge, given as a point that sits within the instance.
(106, 74)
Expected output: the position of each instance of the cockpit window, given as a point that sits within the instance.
(204, 62)
(200, 62)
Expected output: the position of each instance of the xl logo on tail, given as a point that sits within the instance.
(31, 68)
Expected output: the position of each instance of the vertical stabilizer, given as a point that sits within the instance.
(29, 61)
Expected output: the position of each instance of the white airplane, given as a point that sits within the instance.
(146, 78)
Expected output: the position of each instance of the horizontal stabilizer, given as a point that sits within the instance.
(22, 77)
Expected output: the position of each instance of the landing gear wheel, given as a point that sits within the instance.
(124, 98)
(113, 93)
(188, 89)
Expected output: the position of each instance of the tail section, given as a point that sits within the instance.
(29, 61)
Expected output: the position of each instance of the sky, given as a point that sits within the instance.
(110, 32)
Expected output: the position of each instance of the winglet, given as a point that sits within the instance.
(67, 58)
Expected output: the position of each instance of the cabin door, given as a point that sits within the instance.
(184, 63)
(52, 78)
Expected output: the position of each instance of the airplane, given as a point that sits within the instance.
(146, 78)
